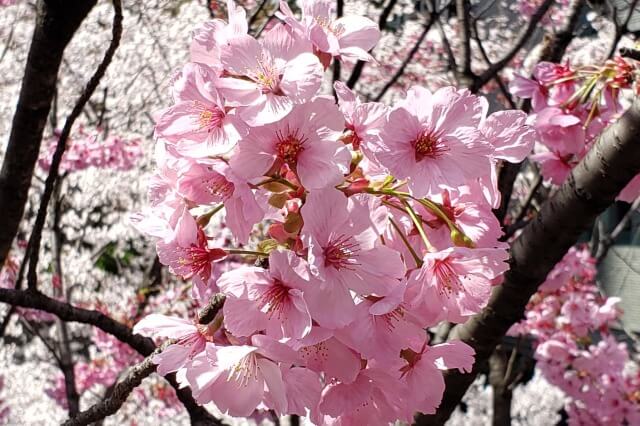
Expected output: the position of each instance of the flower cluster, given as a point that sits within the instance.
(575, 349)
(571, 107)
(376, 220)
(87, 150)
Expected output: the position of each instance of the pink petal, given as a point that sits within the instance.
(155, 325)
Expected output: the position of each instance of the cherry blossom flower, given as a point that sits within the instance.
(375, 398)
(347, 38)
(383, 327)
(191, 340)
(188, 253)
(363, 119)
(305, 142)
(238, 378)
(269, 76)
(422, 375)
(455, 283)
(342, 236)
(210, 38)
(276, 297)
(213, 181)
(433, 141)
(199, 124)
(320, 351)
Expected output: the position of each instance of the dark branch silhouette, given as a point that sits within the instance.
(56, 22)
(382, 24)
(33, 247)
(143, 345)
(524, 37)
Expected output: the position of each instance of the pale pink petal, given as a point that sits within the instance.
(358, 31)
(454, 354)
(275, 397)
(155, 325)
(302, 77)
(302, 389)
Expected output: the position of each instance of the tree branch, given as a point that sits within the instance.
(56, 22)
(143, 345)
(463, 9)
(524, 37)
(336, 62)
(382, 24)
(621, 29)
(119, 393)
(400, 71)
(64, 344)
(606, 241)
(209, 312)
(496, 77)
(590, 188)
(554, 49)
(33, 247)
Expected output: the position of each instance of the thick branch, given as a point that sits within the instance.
(590, 188)
(143, 345)
(67, 312)
(56, 22)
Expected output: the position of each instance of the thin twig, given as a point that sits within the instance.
(256, 12)
(520, 222)
(64, 345)
(451, 57)
(382, 25)
(33, 247)
(606, 241)
(463, 8)
(630, 53)
(34, 331)
(336, 62)
(497, 78)
(621, 29)
(526, 34)
(400, 71)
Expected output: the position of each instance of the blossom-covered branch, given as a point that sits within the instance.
(591, 187)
